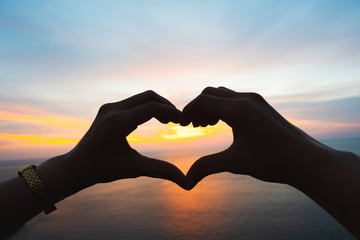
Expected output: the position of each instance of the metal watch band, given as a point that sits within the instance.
(37, 187)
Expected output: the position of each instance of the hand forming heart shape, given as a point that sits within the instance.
(265, 146)
(263, 140)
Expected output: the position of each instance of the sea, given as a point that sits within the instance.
(222, 206)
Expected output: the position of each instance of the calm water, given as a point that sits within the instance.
(222, 206)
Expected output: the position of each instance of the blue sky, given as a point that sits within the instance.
(66, 58)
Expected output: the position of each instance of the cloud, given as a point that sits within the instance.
(60, 61)
(26, 124)
(324, 119)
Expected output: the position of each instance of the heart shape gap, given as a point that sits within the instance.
(179, 145)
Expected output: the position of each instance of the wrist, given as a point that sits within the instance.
(322, 166)
(59, 181)
(313, 165)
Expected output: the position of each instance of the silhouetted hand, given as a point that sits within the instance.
(265, 146)
(104, 155)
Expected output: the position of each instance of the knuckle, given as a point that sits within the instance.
(150, 93)
(202, 97)
(105, 107)
(208, 90)
(256, 97)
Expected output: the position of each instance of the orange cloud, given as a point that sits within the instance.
(25, 139)
(48, 120)
(27, 131)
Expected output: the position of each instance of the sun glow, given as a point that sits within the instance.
(175, 132)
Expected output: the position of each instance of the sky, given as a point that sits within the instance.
(61, 60)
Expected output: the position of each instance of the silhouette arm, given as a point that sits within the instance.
(336, 188)
(268, 147)
(17, 202)
(102, 155)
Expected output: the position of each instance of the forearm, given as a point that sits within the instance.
(335, 186)
(18, 204)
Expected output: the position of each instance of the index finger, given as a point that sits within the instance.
(216, 107)
(151, 167)
(136, 100)
(124, 122)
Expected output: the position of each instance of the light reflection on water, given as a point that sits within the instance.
(222, 206)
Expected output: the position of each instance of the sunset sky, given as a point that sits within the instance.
(61, 60)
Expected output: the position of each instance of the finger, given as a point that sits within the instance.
(226, 89)
(162, 112)
(213, 121)
(202, 119)
(136, 100)
(160, 169)
(127, 121)
(215, 107)
(197, 123)
(206, 166)
(220, 92)
(198, 116)
(209, 120)
(228, 93)
(204, 124)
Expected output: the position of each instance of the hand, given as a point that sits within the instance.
(104, 155)
(265, 146)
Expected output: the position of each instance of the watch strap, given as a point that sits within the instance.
(35, 184)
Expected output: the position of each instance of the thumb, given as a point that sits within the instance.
(155, 168)
(206, 166)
